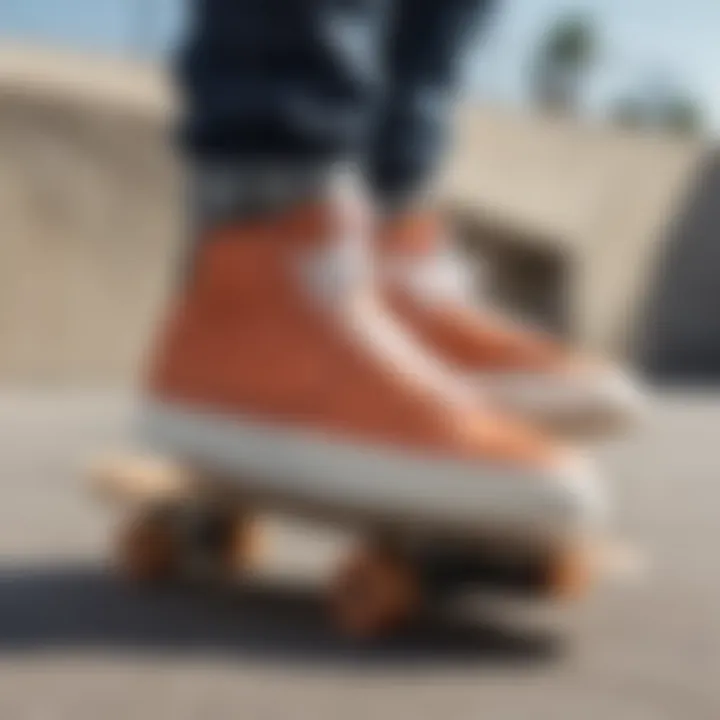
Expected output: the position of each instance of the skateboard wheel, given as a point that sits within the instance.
(149, 550)
(571, 573)
(230, 543)
(373, 594)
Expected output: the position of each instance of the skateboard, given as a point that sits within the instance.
(177, 520)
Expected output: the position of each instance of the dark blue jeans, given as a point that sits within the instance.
(308, 82)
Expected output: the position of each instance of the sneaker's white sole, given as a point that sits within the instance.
(581, 408)
(429, 492)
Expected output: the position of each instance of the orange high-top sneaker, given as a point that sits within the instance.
(278, 362)
(522, 370)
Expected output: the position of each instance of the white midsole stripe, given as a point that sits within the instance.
(428, 488)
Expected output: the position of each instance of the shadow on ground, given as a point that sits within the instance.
(82, 607)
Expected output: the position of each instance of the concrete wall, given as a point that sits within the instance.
(595, 198)
(90, 223)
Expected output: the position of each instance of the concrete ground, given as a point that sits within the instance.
(74, 643)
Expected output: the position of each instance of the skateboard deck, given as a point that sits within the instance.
(176, 512)
(146, 481)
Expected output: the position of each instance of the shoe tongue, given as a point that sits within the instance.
(418, 253)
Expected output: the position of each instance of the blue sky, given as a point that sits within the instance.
(675, 40)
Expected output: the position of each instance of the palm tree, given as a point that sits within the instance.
(659, 105)
(563, 58)
(683, 115)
